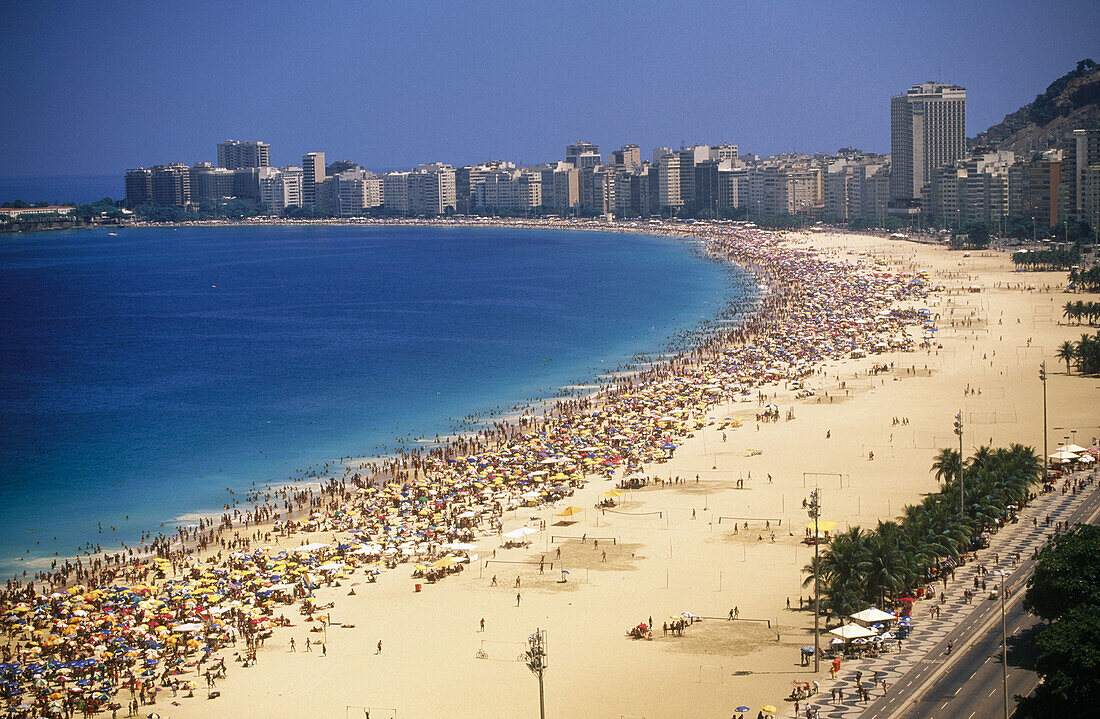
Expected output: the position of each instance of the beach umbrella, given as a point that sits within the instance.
(742, 709)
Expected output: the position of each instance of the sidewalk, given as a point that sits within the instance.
(928, 633)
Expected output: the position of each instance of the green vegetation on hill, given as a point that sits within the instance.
(1048, 105)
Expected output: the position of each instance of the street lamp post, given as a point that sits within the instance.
(536, 662)
(962, 493)
(1043, 379)
(815, 513)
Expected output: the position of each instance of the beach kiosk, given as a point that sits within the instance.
(819, 531)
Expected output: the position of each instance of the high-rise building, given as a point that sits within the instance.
(354, 191)
(246, 183)
(468, 178)
(927, 131)
(668, 181)
(280, 188)
(210, 184)
(234, 154)
(172, 185)
(733, 186)
(561, 186)
(706, 187)
(1085, 152)
(724, 151)
(689, 156)
(514, 190)
(432, 190)
(139, 187)
(976, 189)
(313, 171)
(628, 156)
(395, 192)
(573, 153)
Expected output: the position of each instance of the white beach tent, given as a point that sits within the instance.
(871, 615)
(852, 631)
(310, 547)
(520, 533)
(461, 546)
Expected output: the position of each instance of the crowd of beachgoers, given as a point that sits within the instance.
(113, 631)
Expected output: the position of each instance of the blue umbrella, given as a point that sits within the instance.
(742, 709)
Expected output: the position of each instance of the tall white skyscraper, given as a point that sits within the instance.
(313, 171)
(927, 131)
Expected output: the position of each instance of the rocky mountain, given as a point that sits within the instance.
(1071, 102)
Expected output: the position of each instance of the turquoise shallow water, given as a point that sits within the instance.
(141, 375)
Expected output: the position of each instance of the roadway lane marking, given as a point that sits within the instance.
(971, 715)
(993, 692)
(944, 705)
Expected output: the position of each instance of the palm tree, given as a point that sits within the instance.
(982, 457)
(1028, 465)
(946, 465)
(844, 570)
(1069, 311)
(887, 569)
(1067, 351)
(1088, 354)
(1079, 310)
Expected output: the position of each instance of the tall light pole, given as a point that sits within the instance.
(962, 493)
(536, 662)
(1043, 379)
(1004, 645)
(815, 513)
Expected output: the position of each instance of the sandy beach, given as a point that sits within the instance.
(671, 548)
(660, 568)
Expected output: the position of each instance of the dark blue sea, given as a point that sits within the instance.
(142, 375)
(81, 189)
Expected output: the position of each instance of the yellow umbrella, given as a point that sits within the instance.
(569, 512)
(769, 709)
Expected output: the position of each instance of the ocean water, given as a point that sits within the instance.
(143, 375)
(81, 189)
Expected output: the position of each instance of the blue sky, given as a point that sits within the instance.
(94, 88)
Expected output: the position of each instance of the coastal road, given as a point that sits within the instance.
(970, 686)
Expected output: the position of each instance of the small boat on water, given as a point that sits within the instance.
(112, 234)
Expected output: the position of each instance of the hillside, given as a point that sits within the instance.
(1070, 102)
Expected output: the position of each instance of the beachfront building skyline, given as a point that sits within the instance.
(703, 181)
(927, 131)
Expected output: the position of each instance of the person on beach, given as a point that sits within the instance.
(379, 650)
(517, 598)
(292, 645)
